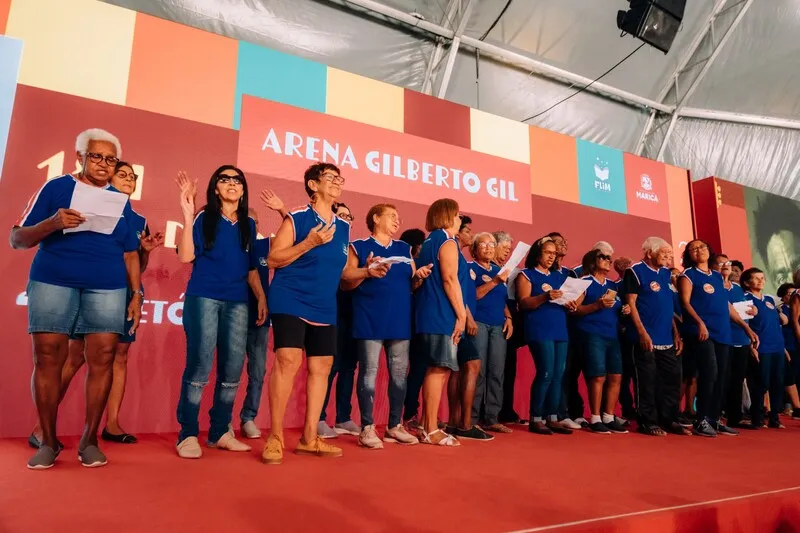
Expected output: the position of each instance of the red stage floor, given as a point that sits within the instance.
(518, 482)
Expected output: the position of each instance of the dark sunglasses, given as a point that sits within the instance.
(230, 179)
(604, 257)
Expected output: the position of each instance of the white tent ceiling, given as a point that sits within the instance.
(751, 80)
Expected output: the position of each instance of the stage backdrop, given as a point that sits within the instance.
(758, 228)
(179, 98)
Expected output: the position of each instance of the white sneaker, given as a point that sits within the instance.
(189, 448)
(325, 431)
(228, 442)
(569, 423)
(348, 428)
(250, 430)
(399, 435)
(583, 422)
(369, 438)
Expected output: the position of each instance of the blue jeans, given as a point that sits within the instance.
(369, 353)
(767, 376)
(257, 337)
(491, 345)
(64, 310)
(550, 358)
(602, 355)
(344, 366)
(209, 325)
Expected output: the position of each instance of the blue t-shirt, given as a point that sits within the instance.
(220, 273)
(307, 287)
(490, 309)
(738, 336)
(382, 306)
(139, 227)
(82, 259)
(789, 340)
(548, 322)
(466, 278)
(604, 321)
(433, 313)
(261, 250)
(676, 302)
(766, 324)
(654, 302)
(710, 301)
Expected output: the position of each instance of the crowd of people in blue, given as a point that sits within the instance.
(706, 351)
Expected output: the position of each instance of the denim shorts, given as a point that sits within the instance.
(56, 309)
(467, 349)
(602, 355)
(438, 350)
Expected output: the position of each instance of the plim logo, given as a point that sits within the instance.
(602, 173)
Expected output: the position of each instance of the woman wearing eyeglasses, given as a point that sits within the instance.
(494, 329)
(78, 285)
(707, 316)
(308, 254)
(224, 260)
(345, 360)
(766, 374)
(739, 351)
(597, 320)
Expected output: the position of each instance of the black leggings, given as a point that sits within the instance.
(712, 367)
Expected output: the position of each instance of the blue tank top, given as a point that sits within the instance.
(307, 288)
(548, 322)
(602, 322)
(655, 304)
(766, 324)
(490, 309)
(738, 336)
(433, 313)
(710, 301)
(382, 306)
(466, 278)
(789, 340)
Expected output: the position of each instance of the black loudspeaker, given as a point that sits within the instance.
(655, 22)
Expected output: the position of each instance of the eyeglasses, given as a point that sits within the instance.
(332, 178)
(698, 248)
(604, 257)
(94, 157)
(346, 216)
(127, 176)
(229, 179)
(489, 245)
(724, 263)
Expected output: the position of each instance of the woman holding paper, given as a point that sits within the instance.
(440, 313)
(545, 325)
(597, 320)
(739, 350)
(79, 280)
(707, 316)
(308, 253)
(382, 275)
(220, 247)
(769, 354)
(494, 329)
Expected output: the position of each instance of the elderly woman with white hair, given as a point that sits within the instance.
(494, 329)
(656, 340)
(78, 284)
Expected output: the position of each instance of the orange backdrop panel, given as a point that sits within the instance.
(554, 165)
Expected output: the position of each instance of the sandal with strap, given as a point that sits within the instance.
(446, 440)
(125, 438)
(653, 431)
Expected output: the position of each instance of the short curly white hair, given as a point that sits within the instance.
(96, 134)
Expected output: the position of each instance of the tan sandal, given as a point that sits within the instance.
(435, 439)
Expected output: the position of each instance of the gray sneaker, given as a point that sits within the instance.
(704, 429)
(250, 430)
(325, 431)
(92, 457)
(44, 458)
(348, 428)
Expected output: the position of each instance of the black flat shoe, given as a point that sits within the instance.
(124, 438)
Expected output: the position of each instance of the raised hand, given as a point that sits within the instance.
(67, 218)
(272, 200)
(188, 188)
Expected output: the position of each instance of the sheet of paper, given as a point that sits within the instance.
(101, 208)
(393, 260)
(517, 256)
(742, 308)
(511, 285)
(572, 289)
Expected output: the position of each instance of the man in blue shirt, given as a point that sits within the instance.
(655, 339)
